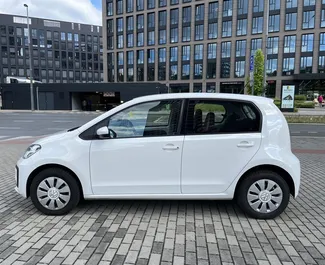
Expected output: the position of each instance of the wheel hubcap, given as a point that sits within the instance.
(264, 196)
(53, 193)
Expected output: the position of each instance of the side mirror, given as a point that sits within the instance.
(104, 132)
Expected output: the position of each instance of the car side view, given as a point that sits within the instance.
(168, 146)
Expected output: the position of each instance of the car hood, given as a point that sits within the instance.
(56, 136)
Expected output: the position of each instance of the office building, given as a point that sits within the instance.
(62, 52)
(207, 45)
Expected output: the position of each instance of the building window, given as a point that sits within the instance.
(120, 25)
(321, 64)
(288, 66)
(174, 54)
(272, 66)
(257, 26)
(129, 6)
(322, 20)
(174, 35)
(187, 14)
(273, 45)
(130, 57)
(213, 10)
(322, 42)
(241, 27)
(119, 7)
(162, 36)
(130, 23)
(140, 21)
(291, 3)
(225, 69)
(306, 64)
(162, 72)
(227, 8)
(275, 5)
(212, 51)
(174, 16)
(130, 74)
(226, 49)
(307, 42)
(309, 2)
(174, 2)
(186, 53)
(151, 20)
(289, 44)
(185, 72)
(186, 34)
(211, 69)
(242, 6)
(258, 5)
(308, 20)
(140, 57)
(130, 40)
(120, 58)
(162, 55)
(151, 4)
(140, 39)
(198, 70)
(120, 41)
(151, 69)
(291, 21)
(162, 3)
(199, 32)
(110, 10)
(199, 12)
(256, 44)
(240, 69)
(226, 28)
(140, 5)
(198, 52)
(162, 18)
(173, 73)
(274, 23)
(212, 31)
(240, 48)
(151, 38)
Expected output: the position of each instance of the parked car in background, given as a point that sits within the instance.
(168, 146)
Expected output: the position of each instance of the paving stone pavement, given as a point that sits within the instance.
(164, 232)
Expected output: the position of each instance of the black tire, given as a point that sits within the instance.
(59, 174)
(242, 191)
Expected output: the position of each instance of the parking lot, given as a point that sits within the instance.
(165, 232)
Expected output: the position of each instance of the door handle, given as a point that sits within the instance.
(170, 147)
(245, 144)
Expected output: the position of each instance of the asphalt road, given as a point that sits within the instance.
(15, 125)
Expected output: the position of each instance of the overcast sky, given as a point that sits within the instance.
(81, 11)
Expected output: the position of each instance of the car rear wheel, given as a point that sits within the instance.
(263, 194)
(54, 191)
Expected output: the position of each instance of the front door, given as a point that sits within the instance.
(222, 137)
(144, 157)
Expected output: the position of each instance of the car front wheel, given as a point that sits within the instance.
(263, 194)
(54, 191)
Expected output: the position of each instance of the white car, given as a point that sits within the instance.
(168, 146)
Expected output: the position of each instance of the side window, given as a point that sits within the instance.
(157, 118)
(217, 116)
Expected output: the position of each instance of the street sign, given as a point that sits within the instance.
(251, 63)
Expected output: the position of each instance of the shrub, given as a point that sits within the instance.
(300, 97)
(307, 105)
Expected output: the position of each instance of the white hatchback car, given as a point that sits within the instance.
(168, 146)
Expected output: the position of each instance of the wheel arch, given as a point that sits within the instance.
(282, 172)
(47, 166)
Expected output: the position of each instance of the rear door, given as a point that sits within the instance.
(221, 138)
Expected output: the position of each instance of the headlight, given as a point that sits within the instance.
(34, 148)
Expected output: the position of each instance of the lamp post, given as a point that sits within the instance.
(265, 45)
(30, 62)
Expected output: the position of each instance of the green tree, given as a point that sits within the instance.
(258, 75)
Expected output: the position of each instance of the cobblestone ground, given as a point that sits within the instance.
(165, 232)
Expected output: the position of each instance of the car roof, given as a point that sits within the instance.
(189, 95)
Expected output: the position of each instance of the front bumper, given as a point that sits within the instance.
(23, 170)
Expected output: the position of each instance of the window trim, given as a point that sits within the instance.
(188, 100)
(89, 134)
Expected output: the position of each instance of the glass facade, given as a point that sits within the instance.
(194, 40)
(67, 53)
